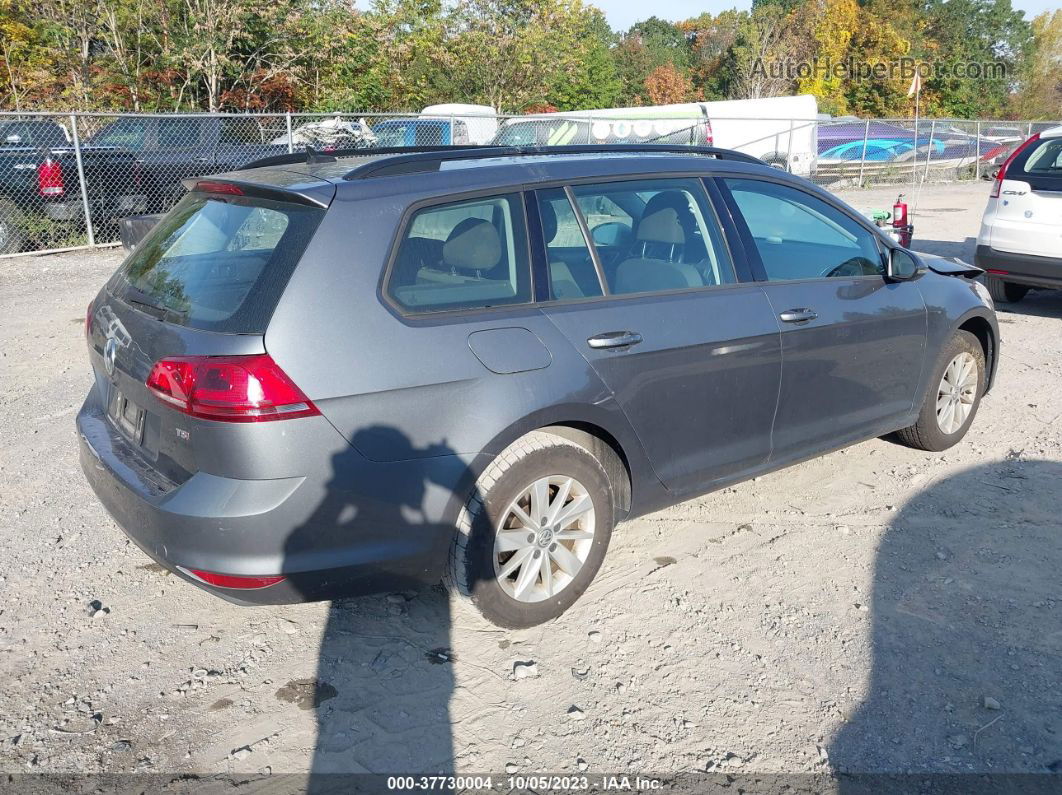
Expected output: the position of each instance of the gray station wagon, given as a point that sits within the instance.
(324, 376)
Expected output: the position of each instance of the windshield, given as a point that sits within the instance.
(217, 264)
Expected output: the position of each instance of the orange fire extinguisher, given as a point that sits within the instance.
(903, 229)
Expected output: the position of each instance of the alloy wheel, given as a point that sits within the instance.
(544, 538)
(957, 392)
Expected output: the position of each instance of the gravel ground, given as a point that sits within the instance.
(877, 609)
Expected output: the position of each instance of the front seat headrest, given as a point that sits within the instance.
(473, 245)
(666, 218)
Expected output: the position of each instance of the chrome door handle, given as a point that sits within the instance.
(615, 339)
(798, 315)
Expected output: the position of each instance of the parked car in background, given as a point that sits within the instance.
(330, 134)
(480, 122)
(25, 133)
(169, 149)
(781, 131)
(41, 202)
(686, 124)
(1020, 242)
(319, 378)
(420, 132)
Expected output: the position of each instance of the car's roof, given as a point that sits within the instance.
(471, 169)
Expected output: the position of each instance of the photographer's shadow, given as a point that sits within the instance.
(385, 672)
(966, 632)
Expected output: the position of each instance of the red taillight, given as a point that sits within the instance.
(205, 186)
(229, 388)
(709, 139)
(997, 271)
(1002, 173)
(233, 580)
(50, 178)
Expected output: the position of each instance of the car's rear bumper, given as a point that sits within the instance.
(364, 528)
(1024, 269)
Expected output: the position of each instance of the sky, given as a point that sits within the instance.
(624, 13)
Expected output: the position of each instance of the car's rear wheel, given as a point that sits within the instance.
(534, 533)
(1005, 292)
(953, 397)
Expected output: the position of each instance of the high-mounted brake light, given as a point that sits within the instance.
(211, 186)
(229, 388)
(1002, 173)
(233, 580)
(50, 178)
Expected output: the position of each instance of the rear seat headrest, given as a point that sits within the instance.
(475, 247)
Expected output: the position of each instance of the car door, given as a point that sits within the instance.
(853, 343)
(690, 353)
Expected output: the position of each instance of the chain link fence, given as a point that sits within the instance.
(69, 178)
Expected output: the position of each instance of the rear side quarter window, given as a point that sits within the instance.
(470, 254)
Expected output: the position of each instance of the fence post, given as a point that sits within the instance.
(452, 130)
(789, 153)
(863, 157)
(81, 180)
(977, 154)
(929, 150)
(287, 118)
(1029, 134)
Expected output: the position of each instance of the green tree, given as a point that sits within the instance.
(962, 33)
(1040, 96)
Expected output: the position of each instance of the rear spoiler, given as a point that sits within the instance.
(314, 194)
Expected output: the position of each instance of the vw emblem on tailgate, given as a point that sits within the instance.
(110, 351)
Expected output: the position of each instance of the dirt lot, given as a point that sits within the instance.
(878, 609)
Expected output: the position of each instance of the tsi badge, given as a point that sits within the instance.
(110, 351)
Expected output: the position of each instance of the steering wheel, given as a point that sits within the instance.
(854, 266)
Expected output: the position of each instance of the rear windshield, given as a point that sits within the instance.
(217, 263)
(1045, 158)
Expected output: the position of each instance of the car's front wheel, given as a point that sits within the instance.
(534, 533)
(953, 398)
(1005, 292)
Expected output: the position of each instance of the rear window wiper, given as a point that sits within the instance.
(139, 299)
(154, 310)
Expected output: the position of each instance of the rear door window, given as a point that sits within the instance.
(654, 235)
(218, 264)
(572, 273)
(465, 255)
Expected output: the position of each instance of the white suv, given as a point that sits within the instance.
(1020, 242)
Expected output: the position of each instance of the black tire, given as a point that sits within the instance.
(1005, 292)
(12, 232)
(471, 570)
(926, 433)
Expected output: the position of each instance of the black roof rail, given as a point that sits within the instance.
(411, 161)
(395, 160)
(310, 155)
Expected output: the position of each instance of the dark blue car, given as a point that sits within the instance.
(337, 375)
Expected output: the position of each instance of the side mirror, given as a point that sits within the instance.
(903, 265)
